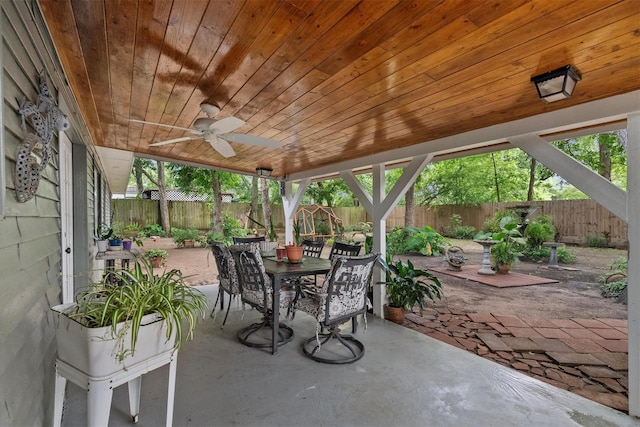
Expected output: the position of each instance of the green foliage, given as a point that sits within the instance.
(180, 235)
(323, 228)
(492, 225)
(155, 253)
(231, 227)
(540, 230)
(151, 230)
(296, 233)
(456, 230)
(542, 253)
(103, 231)
(613, 289)
(511, 242)
(504, 253)
(425, 240)
(619, 265)
(132, 232)
(140, 293)
(408, 286)
(595, 241)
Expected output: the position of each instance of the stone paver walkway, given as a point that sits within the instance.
(585, 356)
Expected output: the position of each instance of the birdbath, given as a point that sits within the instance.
(553, 254)
(486, 256)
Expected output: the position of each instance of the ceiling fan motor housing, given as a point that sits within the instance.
(203, 124)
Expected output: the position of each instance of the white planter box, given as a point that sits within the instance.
(93, 350)
(268, 249)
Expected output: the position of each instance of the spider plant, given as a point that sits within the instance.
(140, 293)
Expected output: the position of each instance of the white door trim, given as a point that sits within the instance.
(66, 217)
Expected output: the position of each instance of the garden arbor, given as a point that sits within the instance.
(318, 221)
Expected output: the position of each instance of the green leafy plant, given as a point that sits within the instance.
(231, 227)
(296, 233)
(539, 230)
(541, 254)
(616, 281)
(510, 242)
(595, 241)
(140, 293)
(180, 235)
(103, 231)
(151, 230)
(408, 286)
(425, 241)
(131, 232)
(156, 253)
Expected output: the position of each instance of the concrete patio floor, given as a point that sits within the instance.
(404, 379)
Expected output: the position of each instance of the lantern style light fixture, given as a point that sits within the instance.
(264, 172)
(557, 84)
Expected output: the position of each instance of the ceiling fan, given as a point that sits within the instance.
(218, 133)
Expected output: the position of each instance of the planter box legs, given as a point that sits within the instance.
(100, 389)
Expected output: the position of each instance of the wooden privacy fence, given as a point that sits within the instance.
(574, 219)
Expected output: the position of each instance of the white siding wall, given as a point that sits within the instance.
(30, 248)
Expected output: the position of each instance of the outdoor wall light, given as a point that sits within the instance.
(557, 84)
(264, 172)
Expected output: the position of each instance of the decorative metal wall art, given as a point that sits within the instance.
(35, 152)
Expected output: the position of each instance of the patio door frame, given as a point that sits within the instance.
(66, 216)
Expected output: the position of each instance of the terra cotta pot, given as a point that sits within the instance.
(394, 314)
(294, 253)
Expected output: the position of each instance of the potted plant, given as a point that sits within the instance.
(185, 238)
(294, 249)
(111, 327)
(510, 243)
(130, 236)
(103, 233)
(157, 257)
(406, 287)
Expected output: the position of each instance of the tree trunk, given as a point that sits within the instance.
(409, 205)
(495, 177)
(253, 208)
(164, 204)
(604, 167)
(138, 173)
(532, 179)
(266, 205)
(216, 227)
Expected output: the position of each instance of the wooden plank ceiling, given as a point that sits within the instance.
(331, 80)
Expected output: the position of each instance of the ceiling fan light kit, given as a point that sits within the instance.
(210, 110)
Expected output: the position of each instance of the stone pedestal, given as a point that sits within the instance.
(486, 256)
(553, 256)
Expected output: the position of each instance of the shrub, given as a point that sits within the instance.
(180, 235)
(231, 227)
(613, 288)
(456, 230)
(492, 225)
(541, 254)
(540, 230)
(151, 230)
(595, 241)
(425, 240)
(464, 232)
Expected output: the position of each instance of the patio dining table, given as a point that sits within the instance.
(279, 271)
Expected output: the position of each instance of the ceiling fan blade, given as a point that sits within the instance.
(226, 125)
(220, 145)
(174, 140)
(159, 124)
(243, 138)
